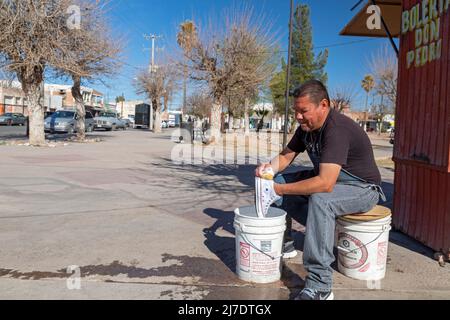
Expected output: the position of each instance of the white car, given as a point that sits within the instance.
(109, 122)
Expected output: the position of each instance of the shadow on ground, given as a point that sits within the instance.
(242, 173)
(223, 247)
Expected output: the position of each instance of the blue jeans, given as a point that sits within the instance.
(319, 212)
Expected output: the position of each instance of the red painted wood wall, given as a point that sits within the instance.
(422, 140)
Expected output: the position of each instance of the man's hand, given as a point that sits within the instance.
(259, 171)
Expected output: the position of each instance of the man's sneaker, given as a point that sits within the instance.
(289, 251)
(265, 196)
(312, 294)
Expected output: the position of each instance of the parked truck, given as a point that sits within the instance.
(142, 116)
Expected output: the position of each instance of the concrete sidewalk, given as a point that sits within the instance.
(141, 227)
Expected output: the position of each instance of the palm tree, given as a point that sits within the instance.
(185, 38)
(368, 83)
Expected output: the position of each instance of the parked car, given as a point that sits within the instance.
(66, 121)
(131, 118)
(164, 124)
(128, 122)
(11, 119)
(48, 114)
(109, 121)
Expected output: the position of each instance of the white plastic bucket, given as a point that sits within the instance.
(363, 247)
(259, 243)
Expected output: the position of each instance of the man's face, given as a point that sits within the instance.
(309, 115)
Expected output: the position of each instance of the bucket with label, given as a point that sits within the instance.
(259, 243)
(363, 246)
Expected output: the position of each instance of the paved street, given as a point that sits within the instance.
(141, 227)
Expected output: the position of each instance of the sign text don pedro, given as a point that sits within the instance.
(424, 19)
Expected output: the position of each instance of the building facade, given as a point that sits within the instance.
(56, 97)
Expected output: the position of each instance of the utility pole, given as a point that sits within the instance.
(121, 111)
(151, 69)
(152, 37)
(288, 73)
(184, 88)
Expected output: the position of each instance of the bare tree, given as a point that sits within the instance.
(33, 36)
(238, 59)
(94, 53)
(342, 98)
(6, 79)
(385, 107)
(384, 67)
(239, 102)
(199, 104)
(233, 104)
(156, 85)
(250, 48)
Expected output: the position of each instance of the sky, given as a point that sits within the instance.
(131, 19)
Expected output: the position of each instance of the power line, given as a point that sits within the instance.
(337, 44)
(344, 43)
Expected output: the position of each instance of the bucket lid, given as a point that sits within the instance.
(250, 211)
(377, 213)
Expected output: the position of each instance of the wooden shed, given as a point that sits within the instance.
(422, 133)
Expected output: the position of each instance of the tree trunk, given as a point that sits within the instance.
(246, 118)
(79, 105)
(157, 122)
(216, 111)
(36, 115)
(166, 102)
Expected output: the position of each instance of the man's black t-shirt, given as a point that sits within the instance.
(340, 141)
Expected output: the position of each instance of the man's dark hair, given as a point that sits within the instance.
(314, 90)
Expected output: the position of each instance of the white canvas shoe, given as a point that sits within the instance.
(265, 196)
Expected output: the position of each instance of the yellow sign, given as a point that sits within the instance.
(424, 19)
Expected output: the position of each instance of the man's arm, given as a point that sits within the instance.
(323, 183)
(279, 163)
(283, 160)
